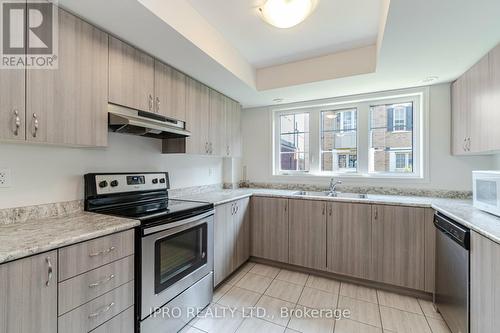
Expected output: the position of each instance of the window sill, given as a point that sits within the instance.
(354, 177)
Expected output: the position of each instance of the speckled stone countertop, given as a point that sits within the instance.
(460, 210)
(32, 236)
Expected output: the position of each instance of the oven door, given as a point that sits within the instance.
(174, 257)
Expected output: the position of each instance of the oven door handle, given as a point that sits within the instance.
(173, 225)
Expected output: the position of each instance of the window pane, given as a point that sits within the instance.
(294, 142)
(391, 138)
(339, 140)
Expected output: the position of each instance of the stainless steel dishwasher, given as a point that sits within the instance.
(451, 296)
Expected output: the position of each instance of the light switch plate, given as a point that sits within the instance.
(4, 178)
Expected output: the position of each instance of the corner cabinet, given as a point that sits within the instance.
(28, 295)
(475, 100)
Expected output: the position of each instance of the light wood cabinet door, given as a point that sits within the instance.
(398, 245)
(461, 113)
(430, 251)
(494, 110)
(170, 91)
(28, 295)
(308, 233)
(479, 77)
(217, 124)
(485, 285)
(241, 232)
(197, 117)
(12, 108)
(349, 239)
(269, 228)
(131, 76)
(235, 141)
(223, 242)
(68, 105)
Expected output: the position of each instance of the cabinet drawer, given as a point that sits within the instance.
(96, 312)
(83, 257)
(123, 323)
(82, 288)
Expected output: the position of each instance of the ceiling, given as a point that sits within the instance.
(318, 59)
(335, 25)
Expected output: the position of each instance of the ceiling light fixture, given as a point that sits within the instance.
(286, 13)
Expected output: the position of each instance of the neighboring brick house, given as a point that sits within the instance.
(392, 138)
(339, 147)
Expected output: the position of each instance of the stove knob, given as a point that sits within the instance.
(114, 183)
(162, 180)
(155, 181)
(103, 184)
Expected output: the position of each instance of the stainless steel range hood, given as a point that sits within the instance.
(129, 121)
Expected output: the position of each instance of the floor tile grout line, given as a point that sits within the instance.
(379, 311)
(426, 320)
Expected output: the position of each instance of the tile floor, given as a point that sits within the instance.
(257, 286)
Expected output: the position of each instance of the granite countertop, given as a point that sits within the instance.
(25, 238)
(458, 209)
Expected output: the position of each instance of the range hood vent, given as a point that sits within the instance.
(129, 121)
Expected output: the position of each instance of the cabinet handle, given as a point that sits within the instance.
(35, 124)
(206, 147)
(465, 144)
(17, 122)
(330, 210)
(103, 252)
(468, 143)
(227, 150)
(237, 208)
(150, 102)
(157, 104)
(286, 206)
(102, 310)
(323, 210)
(376, 213)
(211, 150)
(98, 283)
(49, 271)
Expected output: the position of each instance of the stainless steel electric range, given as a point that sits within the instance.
(174, 246)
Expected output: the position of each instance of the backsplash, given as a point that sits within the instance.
(181, 192)
(365, 189)
(22, 214)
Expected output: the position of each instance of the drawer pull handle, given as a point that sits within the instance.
(98, 283)
(17, 122)
(49, 271)
(100, 253)
(102, 310)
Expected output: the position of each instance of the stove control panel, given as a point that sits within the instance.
(120, 183)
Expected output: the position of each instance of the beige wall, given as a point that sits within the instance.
(446, 172)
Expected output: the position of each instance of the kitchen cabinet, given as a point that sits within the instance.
(475, 97)
(269, 228)
(170, 92)
(197, 117)
(349, 239)
(217, 124)
(233, 128)
(68, 105)
(485, 285)
(307, 230)
(398, 243)
(12, 105)
(28, 295)
(131, 76)
(231, 238)
(430, 251)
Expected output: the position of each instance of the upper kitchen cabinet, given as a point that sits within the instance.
(68, 105)
(475, 111)
(233, 128)
(131, 77)
(28, 295)
(12, 109)
(197, 117)
(170, 92)
(217, 124)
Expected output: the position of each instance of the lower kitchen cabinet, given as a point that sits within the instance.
(398, 246)
(349, 235)
(485, 285)
(231, 238)
(307, 240)
(269, 228)
(28, 295)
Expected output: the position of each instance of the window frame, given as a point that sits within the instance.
(419, 98)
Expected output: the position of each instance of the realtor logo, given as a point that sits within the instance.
(29, 34)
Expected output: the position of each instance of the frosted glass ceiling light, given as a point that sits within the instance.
(286, 13)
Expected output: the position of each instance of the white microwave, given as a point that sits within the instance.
(486, 191)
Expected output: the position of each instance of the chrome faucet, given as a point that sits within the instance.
(333, 186)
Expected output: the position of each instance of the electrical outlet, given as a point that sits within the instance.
(4, 178)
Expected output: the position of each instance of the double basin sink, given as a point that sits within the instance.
(331, 195)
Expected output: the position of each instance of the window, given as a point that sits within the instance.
(391, 131)
(376, 138)
(339, 140)
(294, 142)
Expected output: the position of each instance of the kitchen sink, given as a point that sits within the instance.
(331, 195)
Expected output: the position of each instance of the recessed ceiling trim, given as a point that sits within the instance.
(333, 66)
